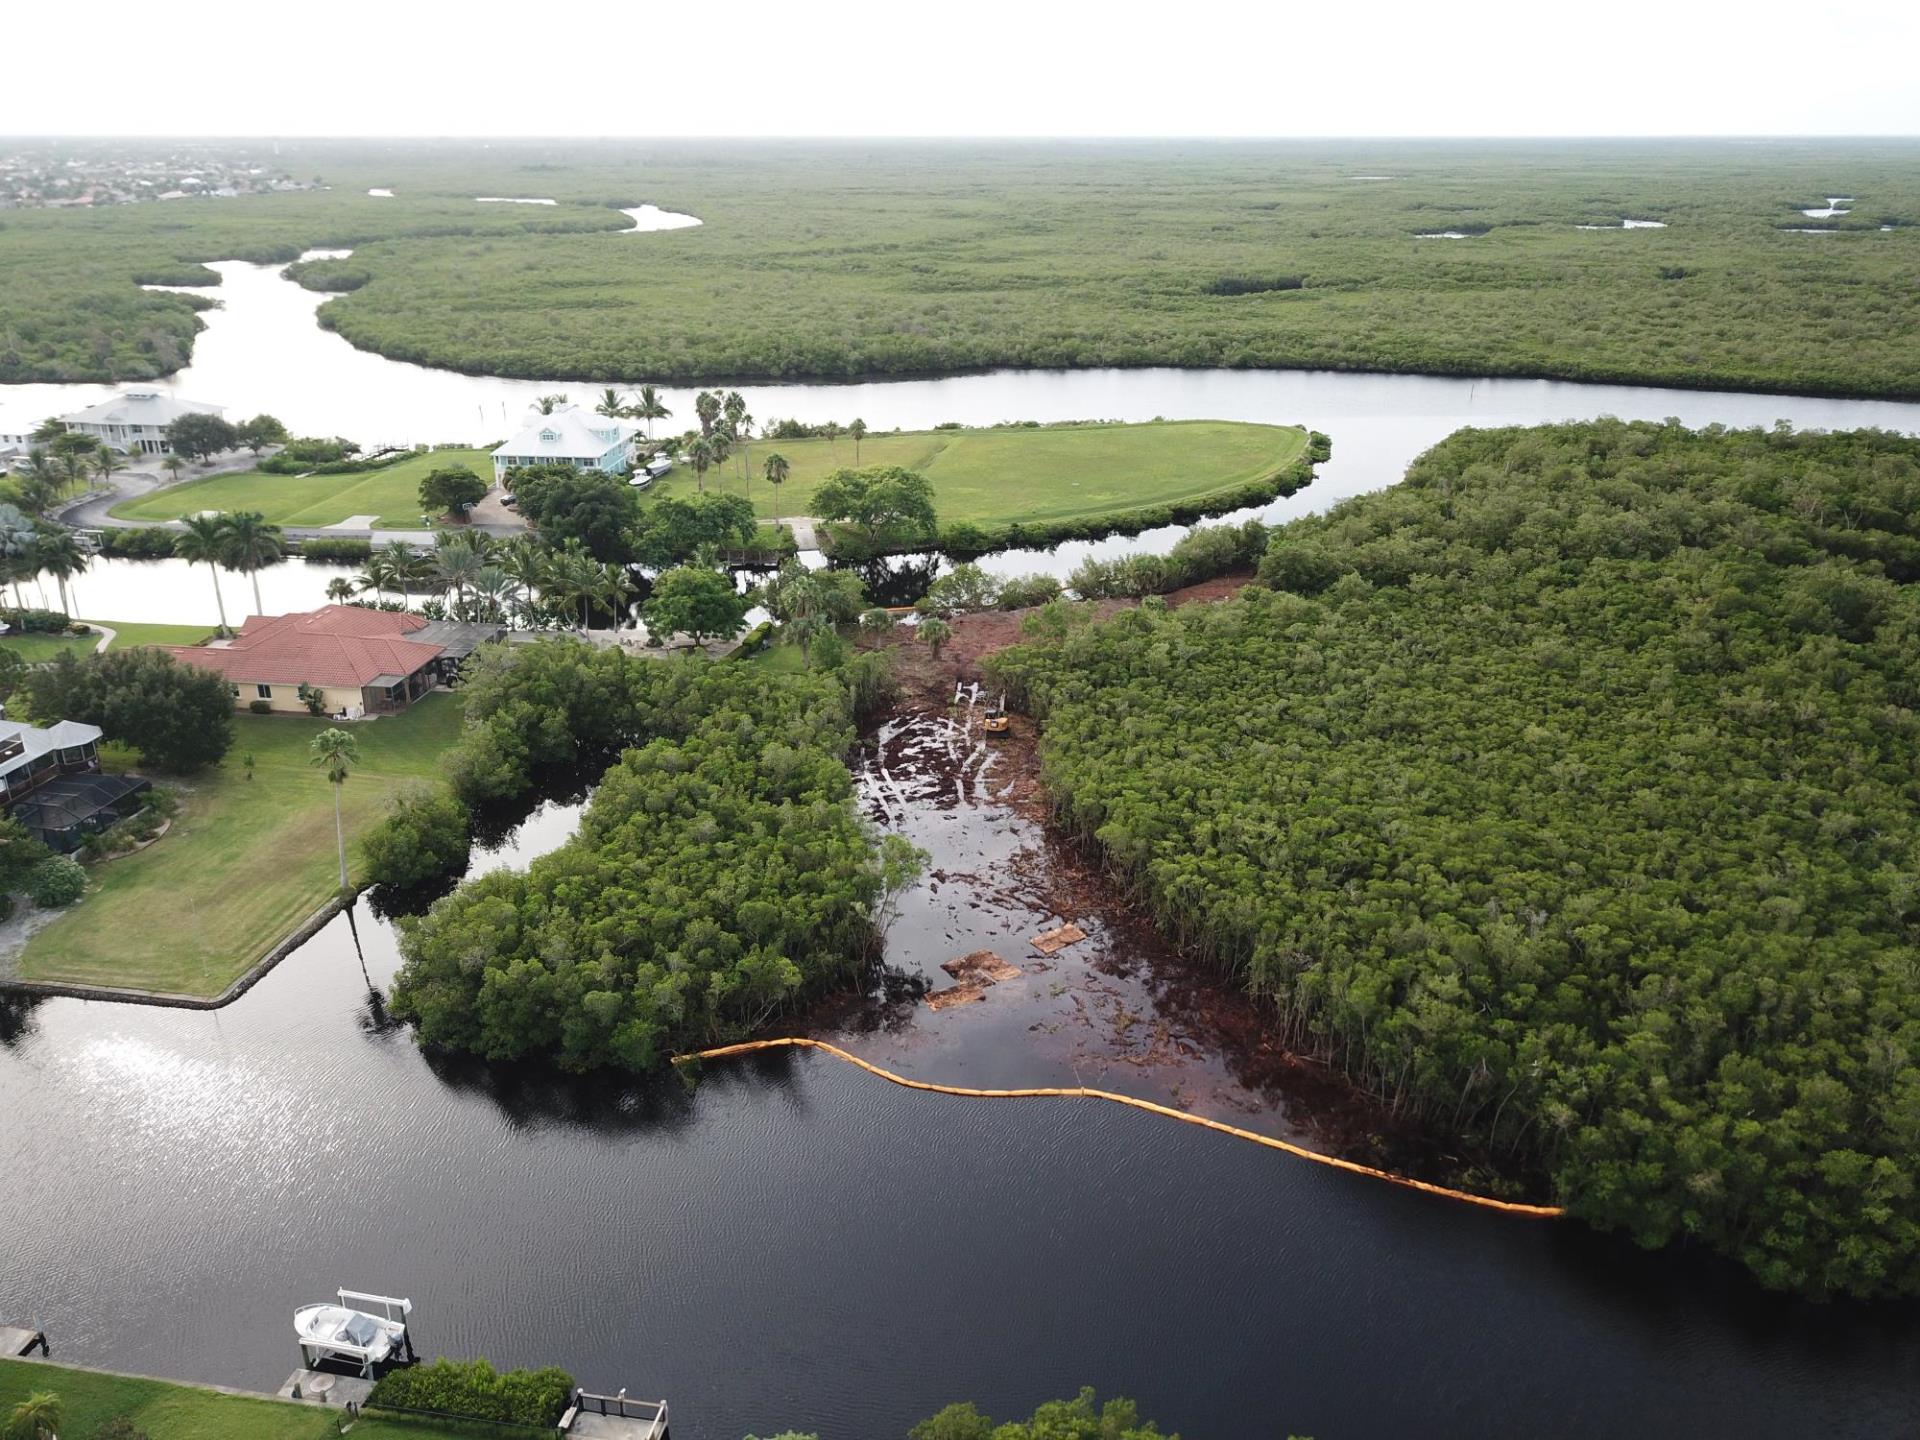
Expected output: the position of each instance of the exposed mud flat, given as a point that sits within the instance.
(1119, 1009)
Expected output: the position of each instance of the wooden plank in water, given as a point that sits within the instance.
(1058, 938)
(983, 966)
(956, 995)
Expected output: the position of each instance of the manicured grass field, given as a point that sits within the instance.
(35, 648)
(245, 861)
(392, 493)
(166, 1411)
(993, 477)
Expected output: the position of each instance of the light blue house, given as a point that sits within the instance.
(570, 436)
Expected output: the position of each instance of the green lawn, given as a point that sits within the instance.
(245, 861)
(166, 1411)
(127, 633)
(392, 493)
(994, 477)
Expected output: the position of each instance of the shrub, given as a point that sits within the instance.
(963, 588)
(328, 551)
(876, 622)
(315, 700)
(260, 707)
(474, 1389)
(55, 883)
(37, 622)
(180, 717)
(1027, 591)
(127, 543)
(423, 836)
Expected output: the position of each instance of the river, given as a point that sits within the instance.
(263, 351)
(793, 1242)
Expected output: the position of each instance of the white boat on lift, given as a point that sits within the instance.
(359, 1337)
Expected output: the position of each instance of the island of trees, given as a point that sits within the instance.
(1565, 796)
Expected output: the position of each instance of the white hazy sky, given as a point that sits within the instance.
(975, 67)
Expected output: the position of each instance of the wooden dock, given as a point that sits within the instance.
(324, 1387)
(22, 1340)
(614, 1417)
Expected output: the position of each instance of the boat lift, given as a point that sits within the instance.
(383, 1337)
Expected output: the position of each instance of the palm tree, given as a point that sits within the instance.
(573, 576)
(252, 545)
(340, 589)
(611, 405)
(739, 421)
(547, 404)
(204, 542)
(524, 559)
(380, 576)
(338, 751)
(108, 461)
(457, 561)
(75, 465)
(777, 471)
(649, 407)
(61, 556)
(722, 443)
(37, 1417)
(616, 588)
(707, 406)
(173, 465)
(18, 541)
(857, 429)
(700, 456)
(832, 431)
(51, 428)
(492, 588)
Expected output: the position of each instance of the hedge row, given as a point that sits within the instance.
(963, 540)
(329, 551)
(128, 543)
(474, 1389)
(36, 622)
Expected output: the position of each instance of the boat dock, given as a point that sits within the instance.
(22, 1340)
(614, 1417)
(324, 1387)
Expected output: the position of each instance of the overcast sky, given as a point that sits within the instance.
(983, 67)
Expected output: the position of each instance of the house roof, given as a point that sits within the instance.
(36, 741)
(139, 407)
(338, 645)
(569, 434)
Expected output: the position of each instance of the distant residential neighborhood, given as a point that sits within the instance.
(50, 177)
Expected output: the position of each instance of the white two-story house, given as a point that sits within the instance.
(571, 436)
(135, 422)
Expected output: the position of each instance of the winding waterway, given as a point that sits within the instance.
(793, 1242)
(263, 351)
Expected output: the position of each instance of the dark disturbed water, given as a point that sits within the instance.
(794, 1242)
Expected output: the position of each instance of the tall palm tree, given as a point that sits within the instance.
(379, 577)
(832, 431)
(572, 577)
(616, 588)
(339, 589)
(738, 420)
(204, 542)
(777, 471)
(547, 404)
(700, 456)
(722, 443)
(612, 405)
(61, 556)
(173, 465)
(650, 407)
(524, 559)
(707, 406)
(339, 752)
(76, 465)
(18, 541)
(492, 588)
(857, 430)
(457, 560)
(252, 545)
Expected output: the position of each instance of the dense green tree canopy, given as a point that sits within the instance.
(671, 531)
(721, 868)
(589, 508)
(198, 436)
(452, 488)
(179, 718)
(1574, 796)
(695, 602)
(884, 501)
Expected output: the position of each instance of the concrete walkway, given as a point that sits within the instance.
(803, 530)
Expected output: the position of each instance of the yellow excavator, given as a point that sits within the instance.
(995, 722)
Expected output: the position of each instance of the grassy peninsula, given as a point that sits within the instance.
(841, 261)
(1565, 796)
(1020, 474)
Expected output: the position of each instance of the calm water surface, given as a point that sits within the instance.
(796, 1242)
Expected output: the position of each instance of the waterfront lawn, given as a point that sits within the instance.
(166, 1411)
(995, 477)
(392, 493)
(245, 862)
(35, 648)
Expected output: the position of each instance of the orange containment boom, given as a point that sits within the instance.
(796, 1042)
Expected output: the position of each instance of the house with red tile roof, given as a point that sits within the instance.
(358, 661)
